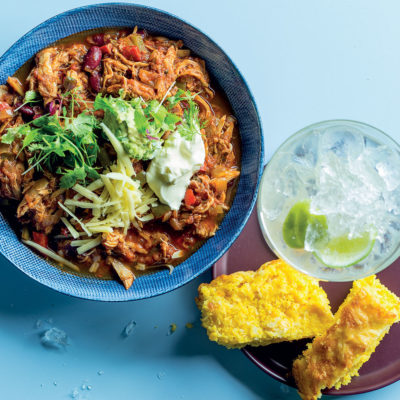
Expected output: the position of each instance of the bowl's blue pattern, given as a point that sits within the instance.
(232, 83)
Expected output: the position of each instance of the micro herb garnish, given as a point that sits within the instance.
(64, 145)
(30, 97)
(190, 122)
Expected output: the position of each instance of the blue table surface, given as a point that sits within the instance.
(305, 61)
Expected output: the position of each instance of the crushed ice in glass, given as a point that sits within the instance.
(129, 329)
(54, 338)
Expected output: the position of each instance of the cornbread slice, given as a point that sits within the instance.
(276, 303)
(361, 322)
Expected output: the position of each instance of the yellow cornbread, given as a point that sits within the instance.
(361, 322)
(276, 303)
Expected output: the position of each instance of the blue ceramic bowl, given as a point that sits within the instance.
(222, 70)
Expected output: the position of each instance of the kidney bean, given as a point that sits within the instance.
(69, 251)
(27, 112)
(52, 107)
(94, 81)
(98, 39)
(92, 59)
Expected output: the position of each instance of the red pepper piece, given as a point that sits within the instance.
(106, 49)
(132, 52)
(41, 239)
(204, 167)
(190, 198)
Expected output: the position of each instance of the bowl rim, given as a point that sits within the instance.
(245, 216)
(386, 140)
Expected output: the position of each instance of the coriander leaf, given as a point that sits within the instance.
(15, 133)
(31, 96)
(176, 98)
(30, 137)
(171, 120)
(68, 180)
(10, 135)
(91, 172)
(82, 126)
(72, 176)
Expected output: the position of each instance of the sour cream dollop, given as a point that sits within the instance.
(170, 171)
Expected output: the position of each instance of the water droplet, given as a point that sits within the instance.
(172, 329)
(129, 328)
(161, 375)
(284, 388)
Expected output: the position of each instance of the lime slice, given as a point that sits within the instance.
(295, 225)
(343, 252)
(301, 228)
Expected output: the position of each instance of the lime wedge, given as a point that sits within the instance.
(295, 225)
(343, 252)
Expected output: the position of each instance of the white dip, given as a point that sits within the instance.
(170, 171)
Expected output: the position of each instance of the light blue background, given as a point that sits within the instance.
(305, 61)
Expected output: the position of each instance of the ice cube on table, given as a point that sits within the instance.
(54, 338)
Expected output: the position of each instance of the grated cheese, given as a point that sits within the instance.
(122, 203)
(85, 192)
(74, 233)
(51, 254)
(89, 245)
(75, 218)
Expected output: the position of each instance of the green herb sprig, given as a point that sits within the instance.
(190, 125)
(64, 145)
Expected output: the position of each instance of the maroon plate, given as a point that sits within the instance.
(249, 252)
